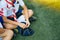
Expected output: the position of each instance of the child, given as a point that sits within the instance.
(16, 22)
(5, 34)
(10, 13)
(26, 13)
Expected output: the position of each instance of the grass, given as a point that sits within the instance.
(47, 25)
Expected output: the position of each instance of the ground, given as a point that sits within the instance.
(47, 25)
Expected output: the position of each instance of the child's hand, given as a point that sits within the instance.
(22, 25)
(2, 30)
(27, 24)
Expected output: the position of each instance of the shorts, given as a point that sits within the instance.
(19, 19)
(19, 13)
(1, 22)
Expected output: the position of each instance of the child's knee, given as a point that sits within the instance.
(30, 11)
(9, 35)
(10, 32)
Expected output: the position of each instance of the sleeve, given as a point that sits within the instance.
(21, 3)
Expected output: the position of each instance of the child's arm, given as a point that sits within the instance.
(25, 11)
(26, 15)
(13, 22)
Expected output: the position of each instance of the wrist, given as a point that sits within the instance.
(19, 24)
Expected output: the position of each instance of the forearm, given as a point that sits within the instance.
(10, 21)
(25, 12)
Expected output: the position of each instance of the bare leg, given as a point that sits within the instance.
(9, 35)
(30, 12)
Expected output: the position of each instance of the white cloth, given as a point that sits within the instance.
(10, 11)
(3, 5)
(21, 3)
(21, 19)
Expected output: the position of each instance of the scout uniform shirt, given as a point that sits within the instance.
(16, 7)
(3, 8)
(2, 11)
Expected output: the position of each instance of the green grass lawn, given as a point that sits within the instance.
(47, 25)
